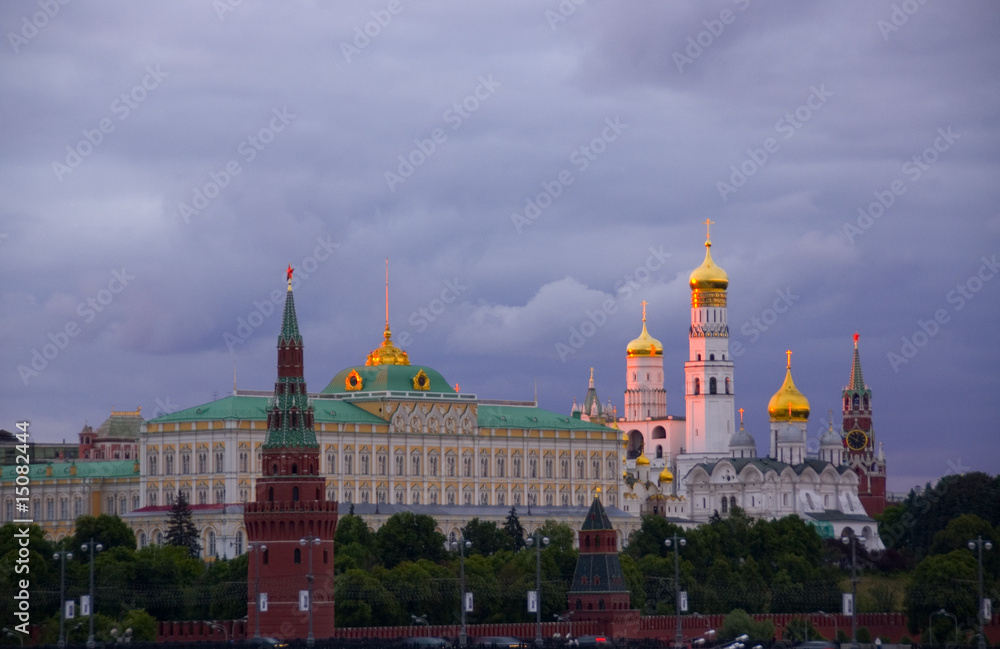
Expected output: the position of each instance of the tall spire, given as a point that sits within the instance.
(290, 415)
(857, 381)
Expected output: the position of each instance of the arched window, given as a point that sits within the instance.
(725, 504)
(659, 452)
(712, 386)
(732, 502)
(697, 386)
(727, 385)
(295, 468)
(270, 494)
(855, 402)
(866, 402)
(295, 494)
(711, 357)
(298, 556)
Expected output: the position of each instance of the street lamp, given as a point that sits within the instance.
(61, 558)
(14, 634)
(93, 548)
(677, 542)
(852, 540)
(836, 629)
(566, 617)
(980, 544)
(538, 541)
(225, 631)
(257, 547)
(310, 541)
(461, 545)
(930, 626)
(417, 620)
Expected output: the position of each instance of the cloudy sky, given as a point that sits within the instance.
(533, 170)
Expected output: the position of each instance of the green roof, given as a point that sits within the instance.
(123, 425)
(61, 470)
(254, 408)
(385, 378)
(528, 417)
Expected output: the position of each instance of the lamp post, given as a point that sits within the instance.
(677, 542)
(225, 631)
(310, 541)
(836, 629)
(852, 540)
(61, 558)
(14, 634)
(930, 626)
(538, 541)
(461, 545)
(980, 544)
(417, 620)
(93, 548)
(257, 547)
(566, 617)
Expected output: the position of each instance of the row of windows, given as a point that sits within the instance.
(712, 386)
(211, 546)
(468, 497)
(47, 510)
(219, 495)
(469, 468)
(153, 460)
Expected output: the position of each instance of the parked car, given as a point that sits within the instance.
(591, 641)
(265, 642)
(816, 644)
(424, 642)
(501, 642)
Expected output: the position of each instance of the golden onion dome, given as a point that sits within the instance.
(708, 275)
(666, 475)
(642, 460)
(387, 353)
(644, 345)
(788, 404)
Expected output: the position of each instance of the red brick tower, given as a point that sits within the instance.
(598, 591)
(867, 460)
(290, 515)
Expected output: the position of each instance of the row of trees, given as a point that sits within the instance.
(405, 568)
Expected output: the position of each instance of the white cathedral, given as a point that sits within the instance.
(693, 467)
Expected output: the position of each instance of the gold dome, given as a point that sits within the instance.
(666, 475)
(708, 276)
(788, 404)
(387, 353)
(642, 460)
(644, 345)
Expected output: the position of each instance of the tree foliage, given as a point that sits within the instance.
(515, 531)
(181, 531)
(409, 537)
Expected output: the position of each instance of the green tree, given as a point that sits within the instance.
(487, 537)
(363, 600)
(181, 531)
(143, 625)
(738, 622)
(408, 537)
(355, 545)
(649, 538)
(37, 567)
(515, 531)
(941, 581)
(110, 531)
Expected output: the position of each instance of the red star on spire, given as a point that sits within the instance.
(290, 271)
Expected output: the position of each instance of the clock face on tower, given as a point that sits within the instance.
(857, 440)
